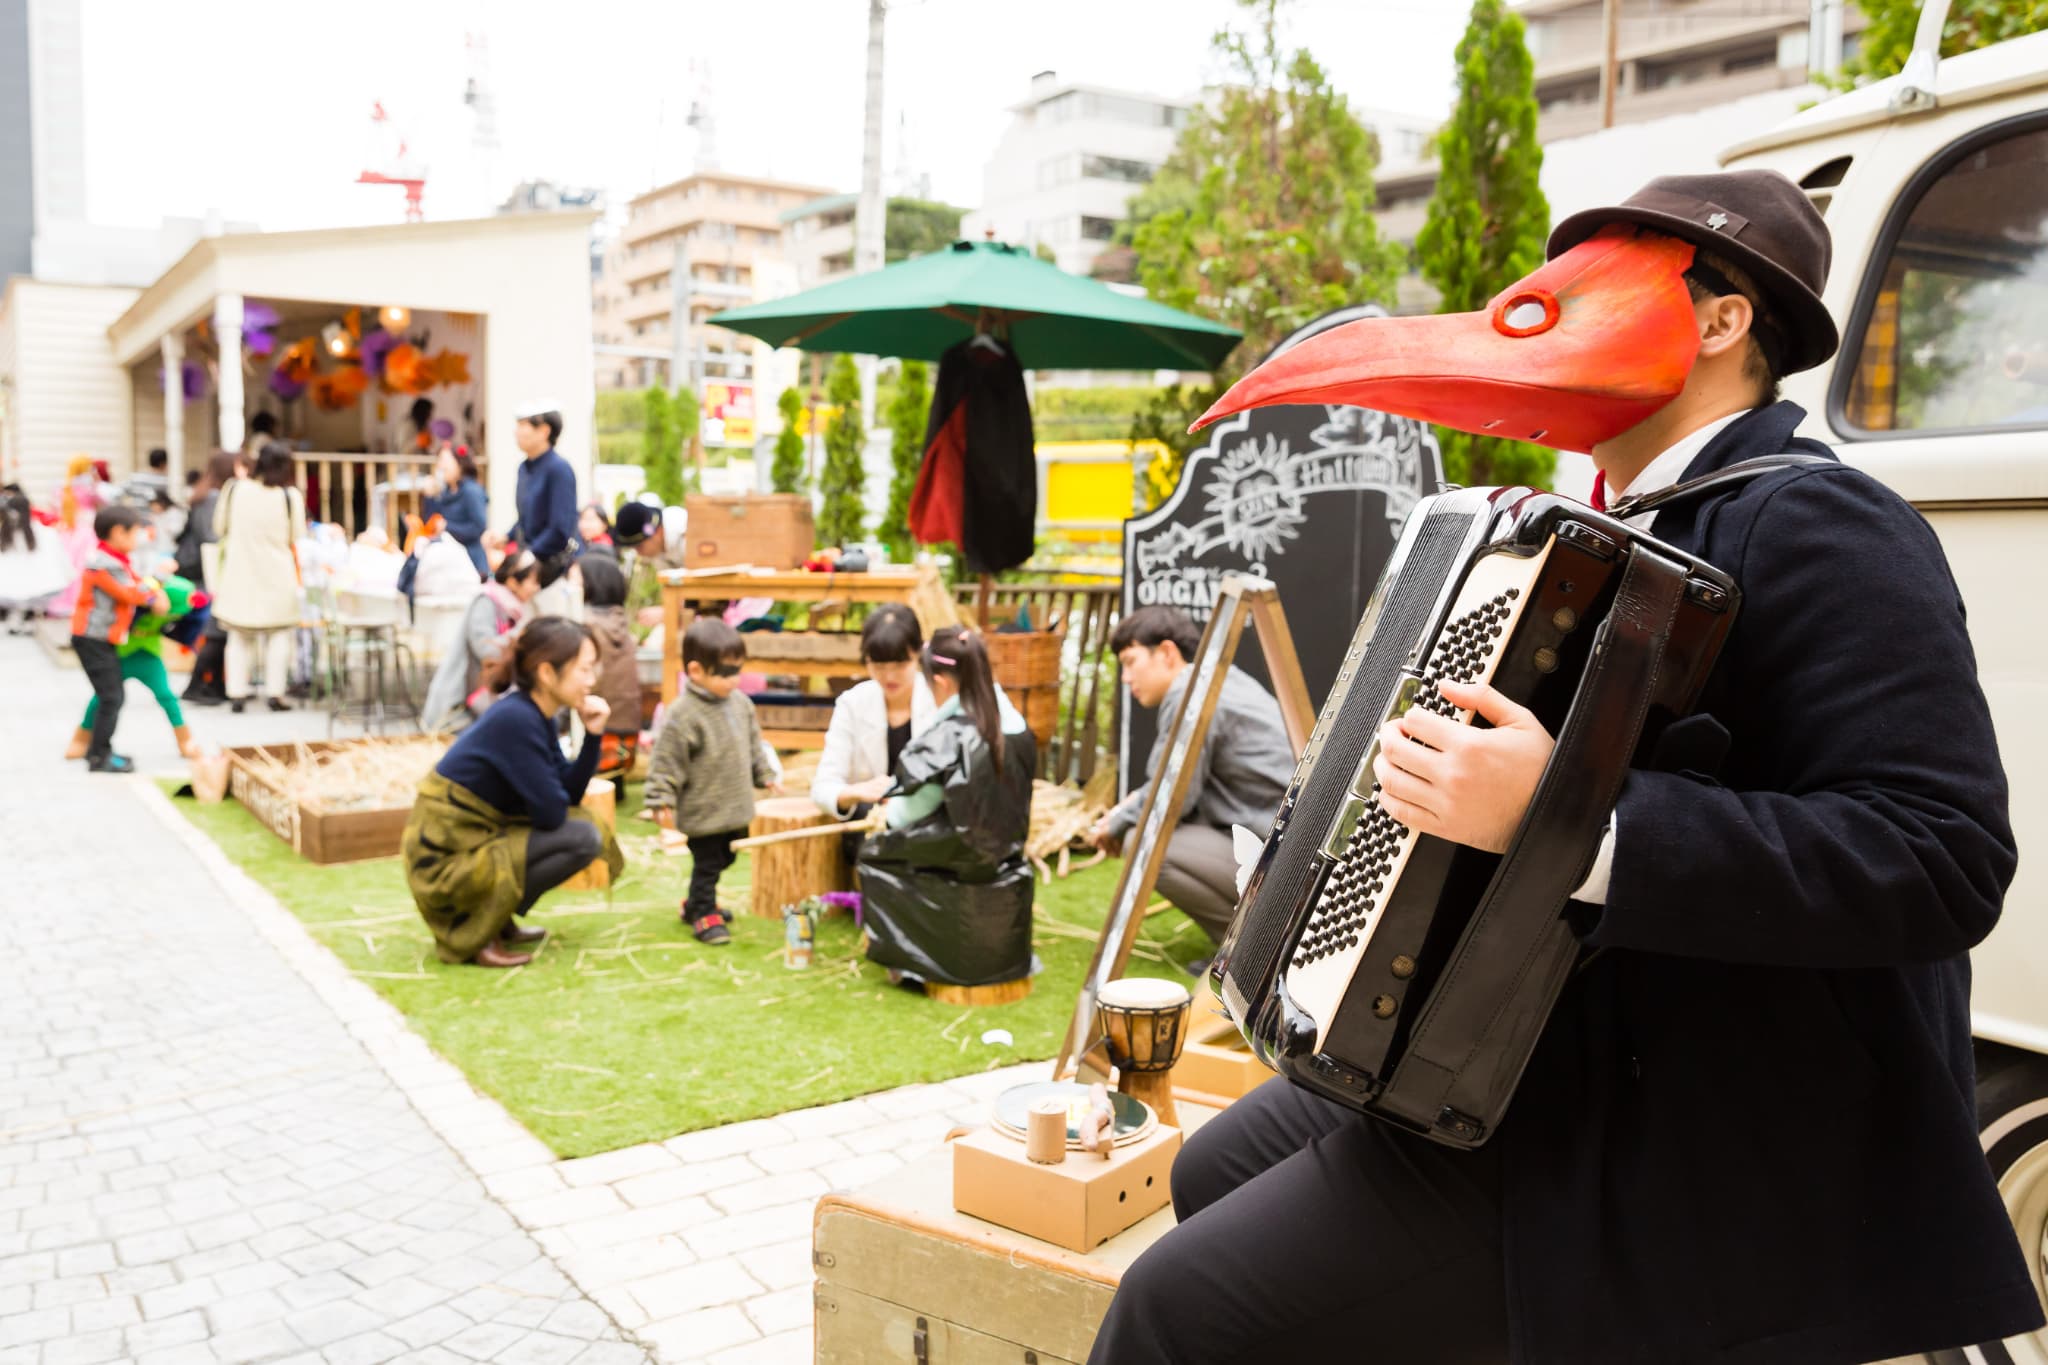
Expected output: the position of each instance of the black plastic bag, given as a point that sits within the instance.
(949, 898)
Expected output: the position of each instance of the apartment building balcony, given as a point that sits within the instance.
(658, 257)
(668, 218)
(654, 303)
(1568, 38)
(1559, 121)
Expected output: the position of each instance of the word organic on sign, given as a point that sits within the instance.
(1312, 497)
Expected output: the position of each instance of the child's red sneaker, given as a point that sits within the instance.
(710, 928)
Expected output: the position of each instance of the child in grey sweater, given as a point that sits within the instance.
(707, 761)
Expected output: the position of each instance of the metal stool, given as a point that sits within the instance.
(365, 661)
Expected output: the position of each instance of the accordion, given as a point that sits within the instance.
(1406, 976)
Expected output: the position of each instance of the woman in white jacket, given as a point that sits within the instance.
(872, 721)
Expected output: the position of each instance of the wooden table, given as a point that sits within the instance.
(894, 1253)
(678, 589)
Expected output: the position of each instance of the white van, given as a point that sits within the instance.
(1935, 187)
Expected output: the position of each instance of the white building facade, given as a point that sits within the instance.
(1066, 168)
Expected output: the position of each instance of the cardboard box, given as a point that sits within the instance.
(1080, 1203)
(1216, 1066)
(766, 530)
(1219, 1072)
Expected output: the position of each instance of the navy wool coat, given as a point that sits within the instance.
(1749, 1133)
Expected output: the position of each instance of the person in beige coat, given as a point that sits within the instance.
(255, 582)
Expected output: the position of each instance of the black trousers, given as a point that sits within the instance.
(710, 856)
(1309, 1233)
(102, 664)
(555, 855)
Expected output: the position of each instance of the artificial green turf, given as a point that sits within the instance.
(625, 1029)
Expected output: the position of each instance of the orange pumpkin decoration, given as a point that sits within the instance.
(451, 367)
(340, 389)
(406, 370)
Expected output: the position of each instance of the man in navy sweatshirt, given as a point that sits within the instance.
(545, 497)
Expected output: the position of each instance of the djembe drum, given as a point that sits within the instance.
(1144, 1024)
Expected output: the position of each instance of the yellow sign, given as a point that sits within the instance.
(728, 414)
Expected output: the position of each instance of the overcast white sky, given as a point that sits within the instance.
(259, 109)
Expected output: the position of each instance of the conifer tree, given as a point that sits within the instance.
(1488, 219)
(660, 450)
(787, 473)
(907, 414)
(844, 477)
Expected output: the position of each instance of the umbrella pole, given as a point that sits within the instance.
(981, 604)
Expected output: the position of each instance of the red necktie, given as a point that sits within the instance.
(1599, 497)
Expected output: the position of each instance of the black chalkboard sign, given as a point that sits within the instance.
(1311, 497)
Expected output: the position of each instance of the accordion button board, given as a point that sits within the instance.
(1369, 848)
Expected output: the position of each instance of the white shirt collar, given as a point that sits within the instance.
(1665, 470)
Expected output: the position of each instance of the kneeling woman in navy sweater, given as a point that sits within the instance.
(496, 825)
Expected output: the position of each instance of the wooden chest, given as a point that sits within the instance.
(903, 1278)
(767, 530)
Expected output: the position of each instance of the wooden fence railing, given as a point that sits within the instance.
(359, 491)
(1089, 716)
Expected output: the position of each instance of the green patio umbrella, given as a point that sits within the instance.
(917, 308)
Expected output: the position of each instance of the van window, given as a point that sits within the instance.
(1955, 326)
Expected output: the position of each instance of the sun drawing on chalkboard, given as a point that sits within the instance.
(1253, 493)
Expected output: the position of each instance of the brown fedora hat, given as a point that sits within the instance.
(1758, 220)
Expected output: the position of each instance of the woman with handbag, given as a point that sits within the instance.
(259, 522)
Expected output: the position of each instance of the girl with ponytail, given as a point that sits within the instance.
(946, 890)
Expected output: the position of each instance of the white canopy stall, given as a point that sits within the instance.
(492, 311)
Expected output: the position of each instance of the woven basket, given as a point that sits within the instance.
(1027, 664)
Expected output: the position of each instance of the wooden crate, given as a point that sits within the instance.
(896, 1265)
(787, 711)
(317, 836)
(821, 646)
(767, 530)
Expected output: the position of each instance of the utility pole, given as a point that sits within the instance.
(1610, 65)
(870, 215)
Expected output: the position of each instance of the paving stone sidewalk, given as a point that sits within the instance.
(216, 1145)
(198, 1162)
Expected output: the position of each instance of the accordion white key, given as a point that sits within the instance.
(1406, 976)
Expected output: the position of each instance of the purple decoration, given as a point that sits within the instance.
(374, 347)
(843, 900)
(284, 386)
(442, 428)
(191, 381)
(258, 317)
(259, 341)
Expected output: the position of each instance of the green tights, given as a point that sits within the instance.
(147, 669)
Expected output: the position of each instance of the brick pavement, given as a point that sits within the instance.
(217, 1145)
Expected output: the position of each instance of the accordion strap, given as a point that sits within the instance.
(1732, 476)
(1517, 950)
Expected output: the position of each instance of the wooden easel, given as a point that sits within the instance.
(1238, 597)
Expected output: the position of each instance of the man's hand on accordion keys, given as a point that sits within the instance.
(1464, 783)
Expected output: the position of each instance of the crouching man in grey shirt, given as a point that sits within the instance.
(1239, 776)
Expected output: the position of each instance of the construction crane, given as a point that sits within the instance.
(384, 133)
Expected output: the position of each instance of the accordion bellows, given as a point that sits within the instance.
(1406, 976)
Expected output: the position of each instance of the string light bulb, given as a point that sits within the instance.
(394, 316)
(335, 338)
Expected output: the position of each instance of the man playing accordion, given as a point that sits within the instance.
(1747, 1132)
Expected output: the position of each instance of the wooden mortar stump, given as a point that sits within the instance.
(792, 872)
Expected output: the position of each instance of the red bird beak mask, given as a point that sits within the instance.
(1573, 355)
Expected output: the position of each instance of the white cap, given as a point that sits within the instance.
(535, 407)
